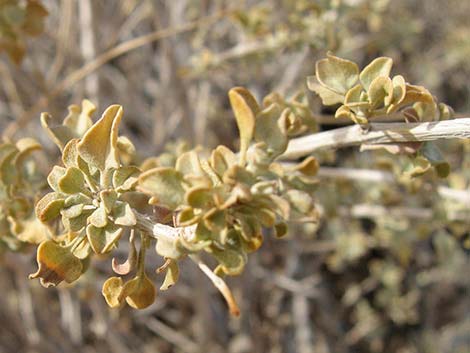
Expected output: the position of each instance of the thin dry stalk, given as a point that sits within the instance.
(378, 133)
(105, 57)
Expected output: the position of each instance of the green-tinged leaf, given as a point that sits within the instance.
(222, 159)
(77, 199)
(99, 217)
(8, 173)
(168, 248)
(103, 239)
(54, 176)
(339, 75)
(25, 147)
(83, 251)
(56, 264)
(72, 211)
(165, 185)
(60, 135)
(70, 153)
(215, 220)
(125, 178)
(379, 67)
(189, 164)
(123, 215)
(240, 194)
(98, 147)
(380, 92)
(108, 199)
(49, 206)
(127, 151)
(79, 119)
(171, 276)
(186, 217)
(237, 174)
(248, 226)
(231, 261)
(327, 96)
(245, 108)
(200, 197)
(268, 130)
(72, 182)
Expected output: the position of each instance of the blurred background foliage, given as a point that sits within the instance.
(386, 270)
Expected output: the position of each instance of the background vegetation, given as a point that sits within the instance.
(386, 270)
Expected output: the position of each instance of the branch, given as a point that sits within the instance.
(160, 231)
(371, 175)
(378, 133)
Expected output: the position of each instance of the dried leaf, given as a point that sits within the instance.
(56, 264)
(171, 276)
(142, 292)
(112, 289)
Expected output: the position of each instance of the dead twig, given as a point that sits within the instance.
(378, 133)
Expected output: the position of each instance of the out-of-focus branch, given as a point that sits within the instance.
(371, 175)
(105, 57)
(378, 133)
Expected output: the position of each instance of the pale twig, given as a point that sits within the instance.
(11, 91)
(219, 283)
(303, 325)
(105, 57)
(87, 46)
(371, 175)
(63, 39)
(163, 231)
(378, 133)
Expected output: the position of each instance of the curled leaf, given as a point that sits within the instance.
(379, 67)
(245, 108)
(171, 276)
(98, 147)
(49, 207)
(112, 289)
(140, 292)
(56, 264)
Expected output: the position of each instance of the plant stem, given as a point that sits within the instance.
(158, 231)
(378, 133)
